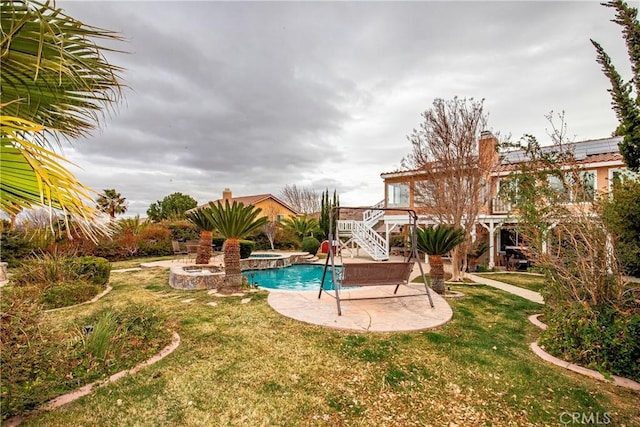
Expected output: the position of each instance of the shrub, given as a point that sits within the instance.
(310, 244)
(183, 231)
(94, 269)
(41, 362)
(16, 247)
(46, 269)
(286, 239)
(601, 338)
(217, 243)
(65, 294)
(246, 247)
(155, 240)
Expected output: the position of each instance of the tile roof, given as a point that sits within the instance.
(252, 200)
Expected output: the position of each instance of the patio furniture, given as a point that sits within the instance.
(178, 252)
(517, 259)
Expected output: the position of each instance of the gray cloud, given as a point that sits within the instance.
(255, 96)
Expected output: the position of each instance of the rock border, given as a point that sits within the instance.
(619, 381)
(86, 389)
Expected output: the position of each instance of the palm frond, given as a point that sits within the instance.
(235, 221)
(439, 240)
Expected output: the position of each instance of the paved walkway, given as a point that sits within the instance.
(516, 290)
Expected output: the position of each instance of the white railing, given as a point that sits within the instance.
(373, 243)
(500, 205)
(373, 215)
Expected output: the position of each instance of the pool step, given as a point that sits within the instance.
(309, 258)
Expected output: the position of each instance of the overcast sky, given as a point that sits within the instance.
(256, 96)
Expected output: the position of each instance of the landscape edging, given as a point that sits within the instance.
(619, 381)
(88, 388)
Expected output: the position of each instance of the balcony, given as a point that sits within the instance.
(500, 206)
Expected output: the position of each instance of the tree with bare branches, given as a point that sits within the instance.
(302, 199)
(450, 187)
(271, 227)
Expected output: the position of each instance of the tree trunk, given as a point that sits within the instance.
(456, 261)
(233, 276)
(436, 273)
(204, 248)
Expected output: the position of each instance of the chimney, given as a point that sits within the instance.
(226, 195)
(487, 150)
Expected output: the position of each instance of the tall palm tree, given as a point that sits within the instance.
(112, 203)
(301, 226)
(435, 242)
(234, 222)
(202, 218)
(55, 82)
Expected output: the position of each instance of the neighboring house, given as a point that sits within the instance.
(272, 207)
(600, 159)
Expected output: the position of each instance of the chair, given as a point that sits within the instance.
(178, 252)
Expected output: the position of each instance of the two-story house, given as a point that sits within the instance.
(600, 159)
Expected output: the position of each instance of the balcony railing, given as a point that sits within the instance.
(500, 205)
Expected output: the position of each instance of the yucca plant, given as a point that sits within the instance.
(435, 242)
(202, 219)
(234, 222)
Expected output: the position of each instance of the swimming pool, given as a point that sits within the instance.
(299, 277)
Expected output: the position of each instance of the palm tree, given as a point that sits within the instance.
(234, 222)
(435, 242)
(55, 81)
(301, 226)
(202, 219)
(112, 203)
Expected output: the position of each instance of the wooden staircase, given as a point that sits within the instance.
(362, 233)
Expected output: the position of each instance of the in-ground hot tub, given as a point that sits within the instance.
(191, 277)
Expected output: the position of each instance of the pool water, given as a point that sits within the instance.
(300, 277)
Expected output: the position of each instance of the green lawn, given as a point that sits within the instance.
(244, 364)
(529, 281)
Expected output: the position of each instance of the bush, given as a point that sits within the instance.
(310, 244)
(246, 247)
(46, 270)
(183, 231)
(155, 240)
(621, 213)
(217, 243)
(603, 339)
(67, 294)
(16, 247)
(286, 239)
(95, 269)
(41, 361)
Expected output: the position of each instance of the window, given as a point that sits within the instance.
(620, 175)
(281, 217)
(580, 192)
(587, 188)
(398, 195)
